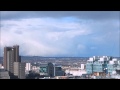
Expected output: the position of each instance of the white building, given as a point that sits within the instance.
(82, 66)
(28, 67)
(76, 72)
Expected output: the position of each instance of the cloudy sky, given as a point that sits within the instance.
(61, 33)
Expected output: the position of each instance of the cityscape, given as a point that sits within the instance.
(60, 45)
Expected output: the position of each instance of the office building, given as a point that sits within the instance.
(97, 64)
(12, 62)
(103, 64)
(50, 70)
(58, 70)
(11, 55)
(19, 70)
(44, 69)
(55, 70)
(112, 66)
(4, 74)
(28, 67)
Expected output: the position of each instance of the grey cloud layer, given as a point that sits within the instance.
(57, 36)
(96, 15)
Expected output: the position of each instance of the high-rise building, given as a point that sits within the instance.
(16, 53)
(22, 70)
(12, 62)
(51, 69)
(19, 70)
(4, 74)
(28, 66)
(11, 55)
(8, 59)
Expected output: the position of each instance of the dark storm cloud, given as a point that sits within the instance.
(96, 15)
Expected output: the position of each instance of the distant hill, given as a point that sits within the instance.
(50, 58)
(47, 58)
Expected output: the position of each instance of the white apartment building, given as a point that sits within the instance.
(28, 67)
(82, 66)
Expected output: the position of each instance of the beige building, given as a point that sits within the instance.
(19, 70)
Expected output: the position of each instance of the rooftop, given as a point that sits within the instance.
(2, 70)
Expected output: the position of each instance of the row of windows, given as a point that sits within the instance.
(111, 69)
(89, 71)
(88, 67)
(94, 69)
(97, 68)
(96, 62)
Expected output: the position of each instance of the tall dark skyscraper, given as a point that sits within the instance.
(11, 55)
(12, 61)
(16, 53)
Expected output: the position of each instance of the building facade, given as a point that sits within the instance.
(89, 66)
(44, 69)
(51, 70)
(103, 64)
(19, 70)
(28, 67)
(12, 62)
(58, 70)
(4, 74)
(82, 66)
(11, 55)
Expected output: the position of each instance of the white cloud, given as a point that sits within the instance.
(38, 36)
(66, 34)
(81, 47)
(55, 36)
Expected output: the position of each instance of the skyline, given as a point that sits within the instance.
(61, 33)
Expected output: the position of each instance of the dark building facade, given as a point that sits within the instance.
(11, 55)
(50, 70)
(8, 59)
(55, 70)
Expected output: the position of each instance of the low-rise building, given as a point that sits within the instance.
(43, 69)
(4, 74)
(51, 70)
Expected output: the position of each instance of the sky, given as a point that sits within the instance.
(61, 33)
